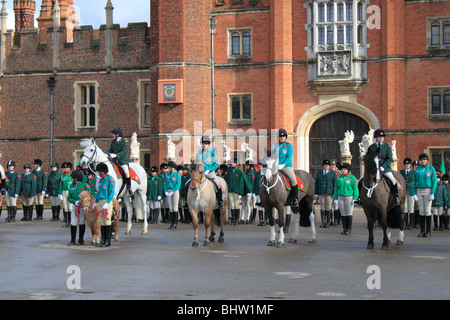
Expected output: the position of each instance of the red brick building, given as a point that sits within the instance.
(314, 67)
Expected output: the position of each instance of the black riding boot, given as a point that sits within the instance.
(422, 226)
(322, 218)
(25, 213)
(294, 203)
(262, 221)
(441, 222)
(73, 234)
(8, 217)
(287, 223)
(57, 211)
(435, 221)
(344, 225)
(349, 224)
(395, 194)
(30, 213)
(130, 191)
(81, 235)
(103, 235)
(13, 213)
(219, 196)
(428, 226)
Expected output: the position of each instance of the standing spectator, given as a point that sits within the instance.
(52, 190)
(185, 178)
(78, 217)
(345, 194)
(445, 179)
(27, 192)
(440, 199)
(12, 190)
(336, 213)
(66, 181)
(155, 191)
(408, 174)
(172, 184)
(41, 184)
(324, 189)
(103, 203)
(237, 186)
(424, 188)
(247, 200)
(165, 210)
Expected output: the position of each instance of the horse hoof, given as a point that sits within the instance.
(292, 240)
(399, 243)
(195, 244)
(370, 246)
(385, 247)
(144, 232)
(205, 243)
(312, 240)
(128, 232)
(211, 239)
(221, 240)
(270, 243)
(280, 244)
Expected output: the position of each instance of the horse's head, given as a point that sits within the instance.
(197, 171)
(270, 164)
(85, 201)
(89, 152)
(372, 164)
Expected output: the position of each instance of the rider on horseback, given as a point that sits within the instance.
(209, 158)
(118, 153)
(285, 152)
(385, 152)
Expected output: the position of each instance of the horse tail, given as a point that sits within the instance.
(216, 213)
(394, 217)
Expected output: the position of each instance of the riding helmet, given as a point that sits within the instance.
(326, 161)
(407, 161)
(347, 166)
(423, 156)
(206, 139)
(445, 177)
(11, 163)
(101, 167)
(282, 133)
(379, 133)
(78, 175)
(38, 162)
(172, 165)
(27, 166)
(55, 164)
(118, 131)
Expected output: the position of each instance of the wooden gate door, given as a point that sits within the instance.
(325, 135)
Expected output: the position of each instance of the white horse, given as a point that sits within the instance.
(93, 154)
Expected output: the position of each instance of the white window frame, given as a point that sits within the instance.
(79, 105)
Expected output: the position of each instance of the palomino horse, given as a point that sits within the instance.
(93, 154)
(201, 197)
(274, 194)
(93, 220)
(375, 198)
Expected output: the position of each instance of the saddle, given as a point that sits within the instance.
(119, 173)
(300, 185)
(388, 184)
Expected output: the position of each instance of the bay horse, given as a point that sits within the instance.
(274, 194)
(92, 218)
(376, 198)
(201, 197)
(92, 154)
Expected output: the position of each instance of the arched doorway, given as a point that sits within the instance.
(325, 135)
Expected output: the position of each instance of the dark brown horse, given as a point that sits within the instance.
(273, 194)
(376, 199)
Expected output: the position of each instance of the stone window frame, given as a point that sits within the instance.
(240, 31)
(440, 22)
(143, 105)
(85, 122)
(241, 97)
(442, 91)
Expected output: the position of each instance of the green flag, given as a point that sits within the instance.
(442, 166)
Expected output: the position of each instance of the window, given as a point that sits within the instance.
(437, 155)
(144, 104)
(240, 108)
(438, 33)
(86, 106)
(439, 102)
(240, 43)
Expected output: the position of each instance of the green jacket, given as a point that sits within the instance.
(119, 148)
(12, 183)
(346, 185)
(92, 184)
(66, 180)
(424, 178)
(441, 195)
(409, 178)
(184, 179)
(41, 180)
(53, 183)
(325, 183)
(75, 190)
(251, 177)
(385, 153)
(257, 183)
(28, 185)
(155, 188)
(237, 182)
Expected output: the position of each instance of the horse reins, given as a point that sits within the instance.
(273, 185)
(202, 180)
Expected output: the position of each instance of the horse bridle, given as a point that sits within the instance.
(377, 179)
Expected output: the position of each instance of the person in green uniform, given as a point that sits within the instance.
(155, 191)
(408, 174)
(12, 190)
(185, 178)
(92, 181)
(385, 153)
(172, 184)
(52, 190)
(103, 203)
(27, 192)
(440, 199)
(247, 199)
(238, 186)
(324, 190)
(66, 180)
(41, 184)
(256, 187)
(345, 193)
(445, 180)
(424, 188)
(78, 218)
(118, 152)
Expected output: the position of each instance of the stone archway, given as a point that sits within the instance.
(306, 122)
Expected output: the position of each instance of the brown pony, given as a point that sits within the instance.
(201, 197)
(93, 221)
(375, 199)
